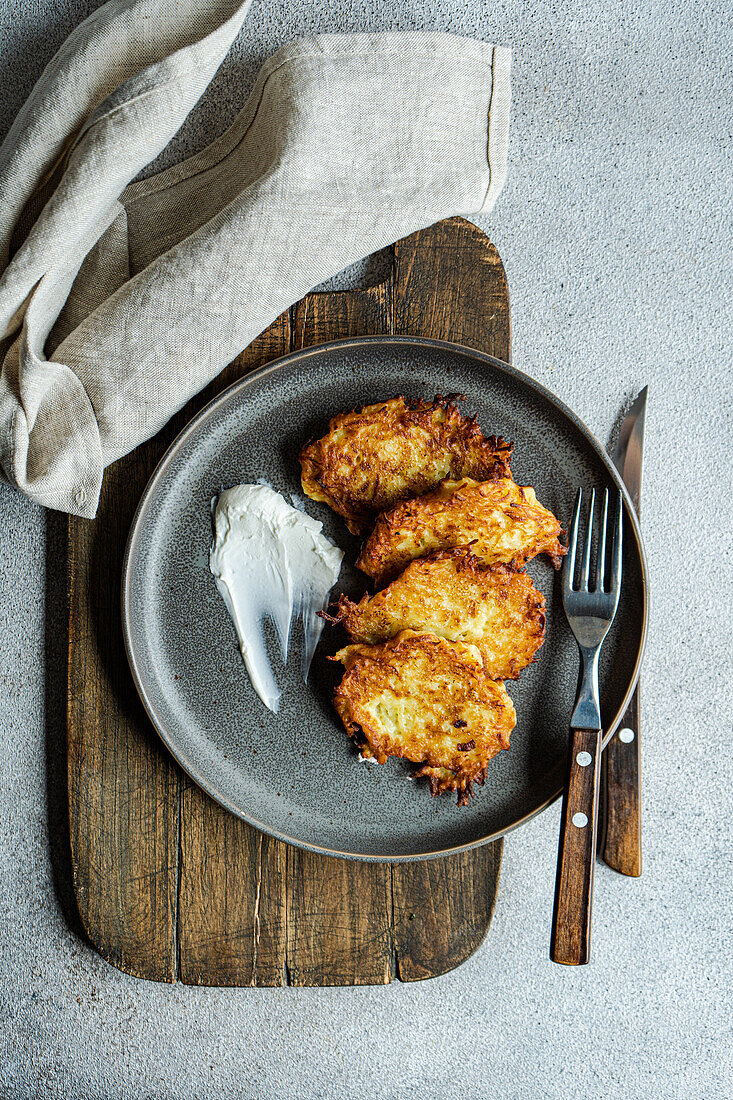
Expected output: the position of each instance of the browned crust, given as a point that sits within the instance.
(459, 514)
(348, 468)
(465, 718)
(443, 781)
(427, 596)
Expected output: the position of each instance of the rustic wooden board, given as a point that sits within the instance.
(169, 885)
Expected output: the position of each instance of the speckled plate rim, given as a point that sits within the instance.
(293, 360)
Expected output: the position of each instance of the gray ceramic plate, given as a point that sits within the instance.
(295, 774)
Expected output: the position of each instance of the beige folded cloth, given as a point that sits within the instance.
(124, 299)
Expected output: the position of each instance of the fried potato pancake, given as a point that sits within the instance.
(500, 520)
(429, 701)
(455, 595)
(384, 453)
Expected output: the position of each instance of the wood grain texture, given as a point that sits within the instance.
(571, 920)
(123, 786)
(442, 909)
(450, 285)
(232, 914)
(170, 885)
(621, 845)
(339, 921)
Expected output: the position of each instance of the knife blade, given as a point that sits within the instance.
(629, 450)
(621, 846)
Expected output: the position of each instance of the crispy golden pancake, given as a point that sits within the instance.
(501, 521)
(428, 700)
(387, 452)
(453, 594)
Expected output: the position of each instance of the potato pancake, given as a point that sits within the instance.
(500, 520)
(376, 456)
(453, 594)
(429, 701)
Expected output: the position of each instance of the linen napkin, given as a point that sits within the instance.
(120, 300)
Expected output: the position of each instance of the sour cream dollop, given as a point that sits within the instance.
(271, 561)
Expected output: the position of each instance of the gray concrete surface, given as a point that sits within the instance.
(614, 227)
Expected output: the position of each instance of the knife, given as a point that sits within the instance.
(621, 846)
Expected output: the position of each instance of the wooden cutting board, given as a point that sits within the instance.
(169, 885)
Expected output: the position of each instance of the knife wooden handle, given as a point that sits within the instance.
(621, 845)
(571, 919)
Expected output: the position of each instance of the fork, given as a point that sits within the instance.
(590, 612)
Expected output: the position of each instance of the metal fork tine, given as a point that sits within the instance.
(569, 570)
(585, 567)
(601, 567)
(617, 547)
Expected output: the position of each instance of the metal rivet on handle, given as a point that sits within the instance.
(580, 820)
(626, 735)
(584, 759)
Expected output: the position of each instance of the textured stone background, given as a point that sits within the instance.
(613, 231)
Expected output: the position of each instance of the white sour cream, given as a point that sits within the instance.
(271, 560)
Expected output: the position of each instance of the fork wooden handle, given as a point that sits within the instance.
(571, 920)
(621, 846)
